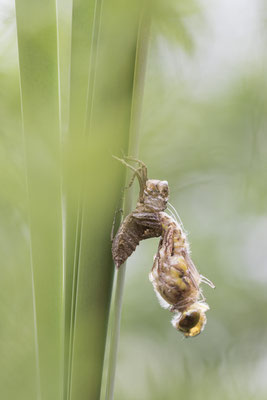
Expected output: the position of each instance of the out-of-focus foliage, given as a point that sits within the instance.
(170, 20)
(207, 136)
(16, 306)
(60, 188)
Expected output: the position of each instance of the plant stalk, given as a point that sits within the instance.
(135, 124)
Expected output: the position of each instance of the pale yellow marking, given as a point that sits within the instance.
(182, 264)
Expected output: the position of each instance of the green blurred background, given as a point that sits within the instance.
(203, 128)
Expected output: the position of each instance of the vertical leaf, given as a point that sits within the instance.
(37, 44)
(72, 204)
(101, 89)
(18, 363)
(134, 132)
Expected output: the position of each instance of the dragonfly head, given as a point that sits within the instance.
(156, 194)
(192, 321)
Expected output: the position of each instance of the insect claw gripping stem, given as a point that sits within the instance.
(112, 236)
(136, 160)
(131, 182)
(125, 163)
(140, 172)
(142, 168)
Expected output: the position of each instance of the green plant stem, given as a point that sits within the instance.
(137, 97)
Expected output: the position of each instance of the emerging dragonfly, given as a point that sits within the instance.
(176, 280)
(174, 277)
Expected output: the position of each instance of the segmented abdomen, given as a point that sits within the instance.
(174, 275)
(137, 226)
(125, 241)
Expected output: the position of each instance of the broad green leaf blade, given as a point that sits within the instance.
(142, 45)
(17, 336)
(83, 30)
(64, 27)
(102, 120)
(37, 44)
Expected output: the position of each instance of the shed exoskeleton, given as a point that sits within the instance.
(144, 222)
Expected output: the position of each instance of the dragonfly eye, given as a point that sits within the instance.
(188, 321)
(164, 188)
(151, 187)
(192, 321)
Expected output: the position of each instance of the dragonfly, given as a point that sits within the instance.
(174, 276)
(176, 280)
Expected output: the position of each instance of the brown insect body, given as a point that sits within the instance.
(174, 276)
(136, 226)
(176, 280)
(144, 222)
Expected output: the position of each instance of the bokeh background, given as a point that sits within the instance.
(203, 128)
